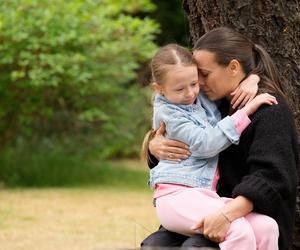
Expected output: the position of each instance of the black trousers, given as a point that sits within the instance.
(163, 237)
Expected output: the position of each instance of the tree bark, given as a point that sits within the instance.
(274, 24)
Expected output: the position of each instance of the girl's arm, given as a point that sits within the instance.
(162, 148)
(208, 141)
(204, 140)
(245, 92)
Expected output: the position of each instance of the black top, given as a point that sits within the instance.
(264, 166)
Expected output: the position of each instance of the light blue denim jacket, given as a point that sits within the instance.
(200, 126)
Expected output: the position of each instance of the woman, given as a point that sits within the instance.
(260, 173)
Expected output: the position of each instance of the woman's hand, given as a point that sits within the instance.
(245, 92)
(214, 226)
(165, 149)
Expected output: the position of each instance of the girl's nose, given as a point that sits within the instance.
(190, 92)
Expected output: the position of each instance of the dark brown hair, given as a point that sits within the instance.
(165, 58)
(228, 44)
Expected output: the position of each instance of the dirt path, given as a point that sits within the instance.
(85, 219)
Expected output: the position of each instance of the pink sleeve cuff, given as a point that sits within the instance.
(240, 120)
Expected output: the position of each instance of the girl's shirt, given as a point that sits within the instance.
(199, 126)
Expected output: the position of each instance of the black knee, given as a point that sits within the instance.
(163, 237)
(198, 240)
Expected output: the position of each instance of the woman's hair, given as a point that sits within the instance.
(228, 44)
(165, 58)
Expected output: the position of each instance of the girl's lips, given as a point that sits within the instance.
(190, 101)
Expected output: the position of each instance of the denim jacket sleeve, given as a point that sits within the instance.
(204, 140)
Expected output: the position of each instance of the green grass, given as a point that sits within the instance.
(41, 167)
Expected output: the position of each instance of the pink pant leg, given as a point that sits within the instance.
(240, 236)
(179, 211)
(265, 229)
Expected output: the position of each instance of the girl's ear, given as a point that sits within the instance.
(234, 67)
(156, 87)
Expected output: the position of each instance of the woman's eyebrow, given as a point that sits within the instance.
(204, 70)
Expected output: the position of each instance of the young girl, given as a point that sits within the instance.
(191, 118)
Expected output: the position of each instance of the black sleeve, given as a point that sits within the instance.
(151, 160)
(272, 158)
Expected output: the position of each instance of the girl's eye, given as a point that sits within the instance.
(194, 84)
(178, 90)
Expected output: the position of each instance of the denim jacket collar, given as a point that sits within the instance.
(161, 100)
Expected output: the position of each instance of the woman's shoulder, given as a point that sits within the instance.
(281, 108)
(274, 116)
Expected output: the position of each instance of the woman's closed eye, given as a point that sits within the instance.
(203, 74)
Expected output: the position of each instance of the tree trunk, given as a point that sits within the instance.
(273, 24)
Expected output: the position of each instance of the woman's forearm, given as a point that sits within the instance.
(238, 207)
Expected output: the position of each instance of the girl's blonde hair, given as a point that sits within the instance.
(165, 58)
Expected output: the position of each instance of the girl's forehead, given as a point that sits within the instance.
(183, 68)
(182, 73)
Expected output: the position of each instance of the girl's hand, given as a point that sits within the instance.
(253, 105)
(214, 226)
(165, 149)
(245, 92)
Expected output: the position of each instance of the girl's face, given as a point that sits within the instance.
(217, 81)
(181, 85)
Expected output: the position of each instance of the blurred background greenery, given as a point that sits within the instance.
(73, 87)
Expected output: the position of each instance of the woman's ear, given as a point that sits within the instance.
(234, 67)
(156, 87)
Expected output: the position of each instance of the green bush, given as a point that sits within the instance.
(68, 68)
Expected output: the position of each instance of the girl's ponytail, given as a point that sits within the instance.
(145, 147)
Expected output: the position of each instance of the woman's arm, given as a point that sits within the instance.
(269, 187)
(272, 156)
(216, 225)
(162, 148)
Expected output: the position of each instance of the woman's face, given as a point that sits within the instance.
(216, 81)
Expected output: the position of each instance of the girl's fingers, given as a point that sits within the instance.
(238, 101)
(244, 102)
(236, 95)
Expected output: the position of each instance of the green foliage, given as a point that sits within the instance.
(69, 67)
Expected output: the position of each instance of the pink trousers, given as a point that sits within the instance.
(180, 210)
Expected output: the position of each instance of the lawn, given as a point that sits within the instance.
(90, 217)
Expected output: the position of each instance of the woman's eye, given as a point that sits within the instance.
(178, 90)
